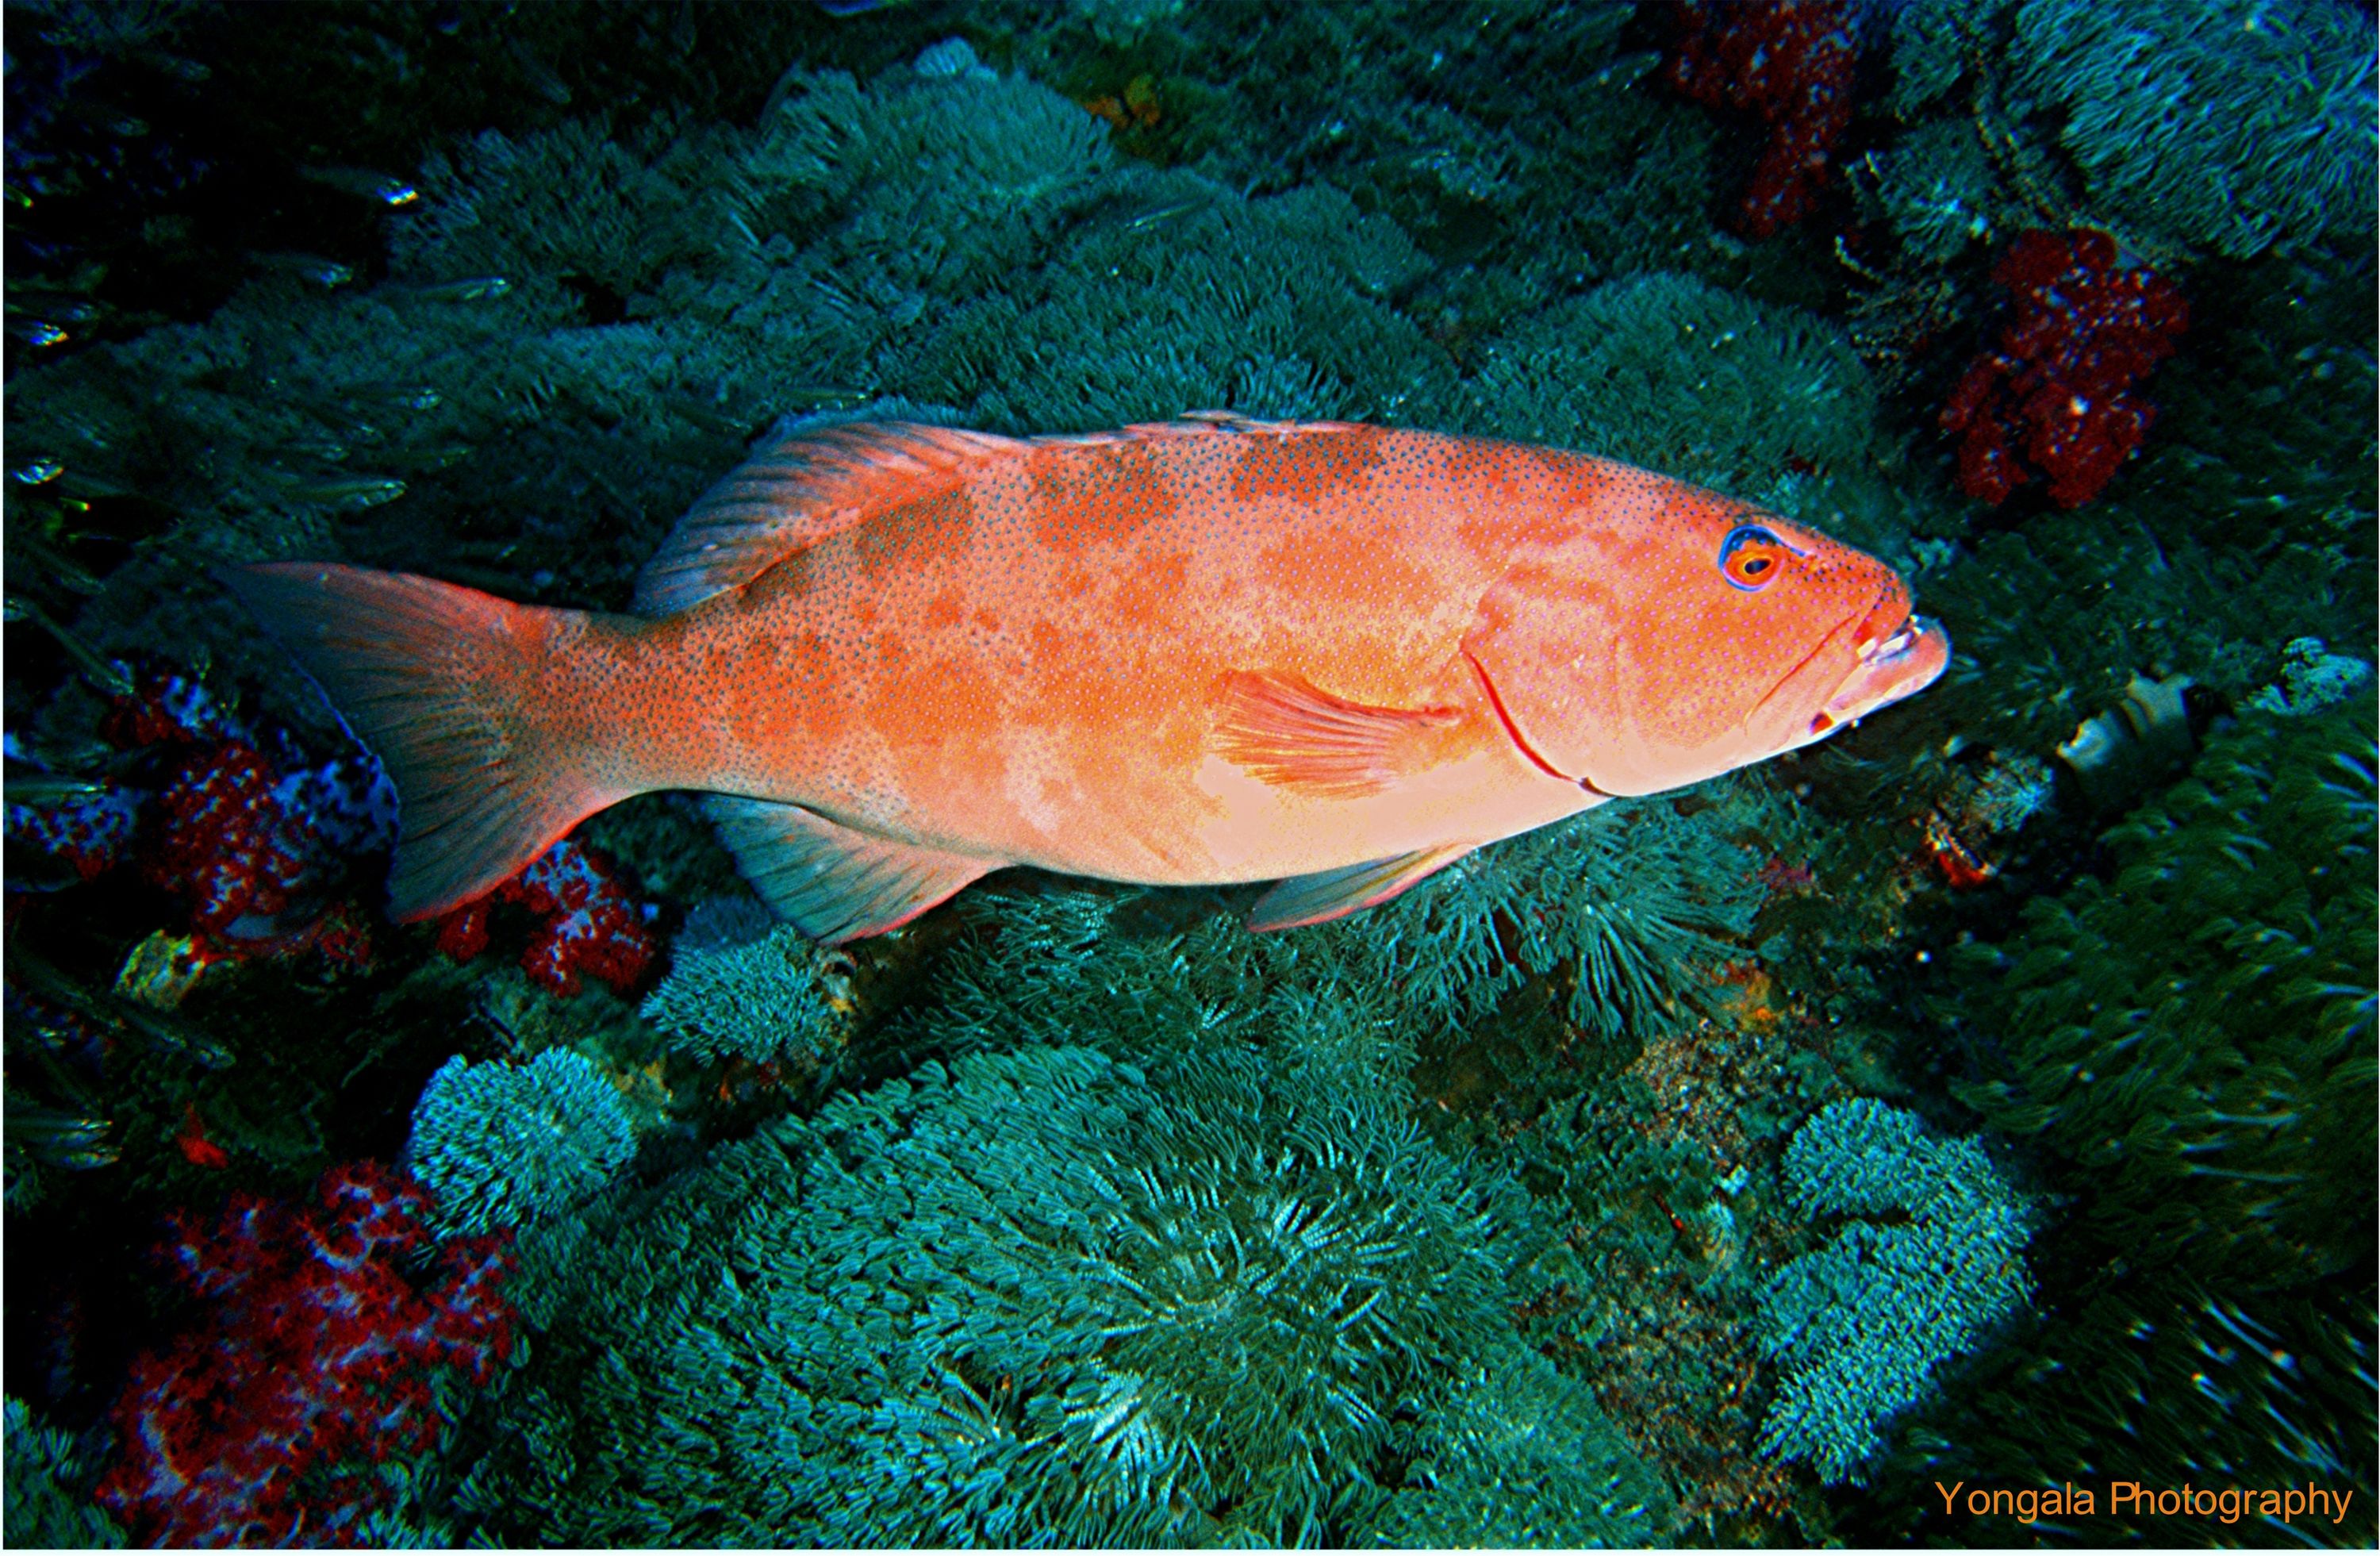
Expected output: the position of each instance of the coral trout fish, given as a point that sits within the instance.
(1213, 651)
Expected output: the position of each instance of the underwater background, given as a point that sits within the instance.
(1984, 1096)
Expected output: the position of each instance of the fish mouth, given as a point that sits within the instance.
(1898, 654)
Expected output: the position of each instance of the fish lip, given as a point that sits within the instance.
(1879, 657)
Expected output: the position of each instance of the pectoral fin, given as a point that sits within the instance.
(1334, 894)
(831, 882)
(1288, 733)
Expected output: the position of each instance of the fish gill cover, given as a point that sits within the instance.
(1503, 1214)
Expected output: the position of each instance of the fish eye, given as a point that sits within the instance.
(1752, 556)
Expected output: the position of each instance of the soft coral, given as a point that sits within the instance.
(587, 921)
(1791, 61)
(265, 1425)
(2059, 386)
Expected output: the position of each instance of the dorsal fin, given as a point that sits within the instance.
(794, 493)
(815, 482)
(1233, 421)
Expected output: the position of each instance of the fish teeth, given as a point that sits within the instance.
(1888, 647)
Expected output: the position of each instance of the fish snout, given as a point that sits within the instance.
(1899, 654)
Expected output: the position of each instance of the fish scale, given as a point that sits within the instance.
(1199, 652)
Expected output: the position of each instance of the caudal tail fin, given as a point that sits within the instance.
(450, 688)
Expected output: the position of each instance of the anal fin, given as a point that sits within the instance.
(1334, 894)
(833, 882)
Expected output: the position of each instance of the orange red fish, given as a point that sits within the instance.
(1213, 651)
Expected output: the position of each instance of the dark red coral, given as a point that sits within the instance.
(229, 844)
(168, 709)
(89, 832)
(586, 921)
(1793, 63)
(234, 816)
(265, 1427)
(2056, 397)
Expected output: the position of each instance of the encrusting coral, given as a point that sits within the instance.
(2190, 1074)
(1859, 1326)
(744, 985)
(504, 1145)
(1047, 1297)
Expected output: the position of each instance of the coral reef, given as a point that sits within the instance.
(1988, 801)
(1793, 63)
(1859, 1326)
(1512, 1421)
(2262, 439)
(85, 827)
(2054, 623)
(1651, 1302)
(1587, 937)
(314, 1368)
(1932, 44)
(1112, 1306)
(2057, 389)
(2189, 1075)
(2228, 125)
(2215, 126)
(258, 840)
(50, 1476)
(1632, 908)
(502, 1144)
(2204, 1099)
(1617, 369)
(757, 991)
(2311, 679)
(936, 1243)
(586, 922)
(1936, 187)
(2116, 753)
(2155, 1375)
